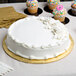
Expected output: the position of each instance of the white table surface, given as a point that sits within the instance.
(63, 67)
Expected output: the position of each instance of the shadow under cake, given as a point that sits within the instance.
(36, 14)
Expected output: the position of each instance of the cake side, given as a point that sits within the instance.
(44, 38)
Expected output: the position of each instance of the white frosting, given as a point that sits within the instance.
(38, 38)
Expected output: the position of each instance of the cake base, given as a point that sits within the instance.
(38, 61)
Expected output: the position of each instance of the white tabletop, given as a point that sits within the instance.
(63, 67)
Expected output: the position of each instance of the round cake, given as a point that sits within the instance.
(38, 38)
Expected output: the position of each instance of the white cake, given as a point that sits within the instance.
(38, 38)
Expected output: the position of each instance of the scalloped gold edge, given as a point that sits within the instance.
(38, 61)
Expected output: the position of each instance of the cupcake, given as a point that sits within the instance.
(52, 4)
(73, 6)
(59, 13)
(32, 6)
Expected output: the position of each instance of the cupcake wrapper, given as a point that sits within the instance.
(33, 8)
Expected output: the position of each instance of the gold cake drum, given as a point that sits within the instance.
(38, 61)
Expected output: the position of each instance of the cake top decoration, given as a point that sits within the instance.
(59, 10)
(52, 2)
(32, 3)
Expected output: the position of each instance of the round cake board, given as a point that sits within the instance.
(38, 61)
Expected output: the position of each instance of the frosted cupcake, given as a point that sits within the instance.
(52, 4)
(59, 13)
(73, 6)
(32, 6)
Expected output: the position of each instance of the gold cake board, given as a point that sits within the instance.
(39, 61)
